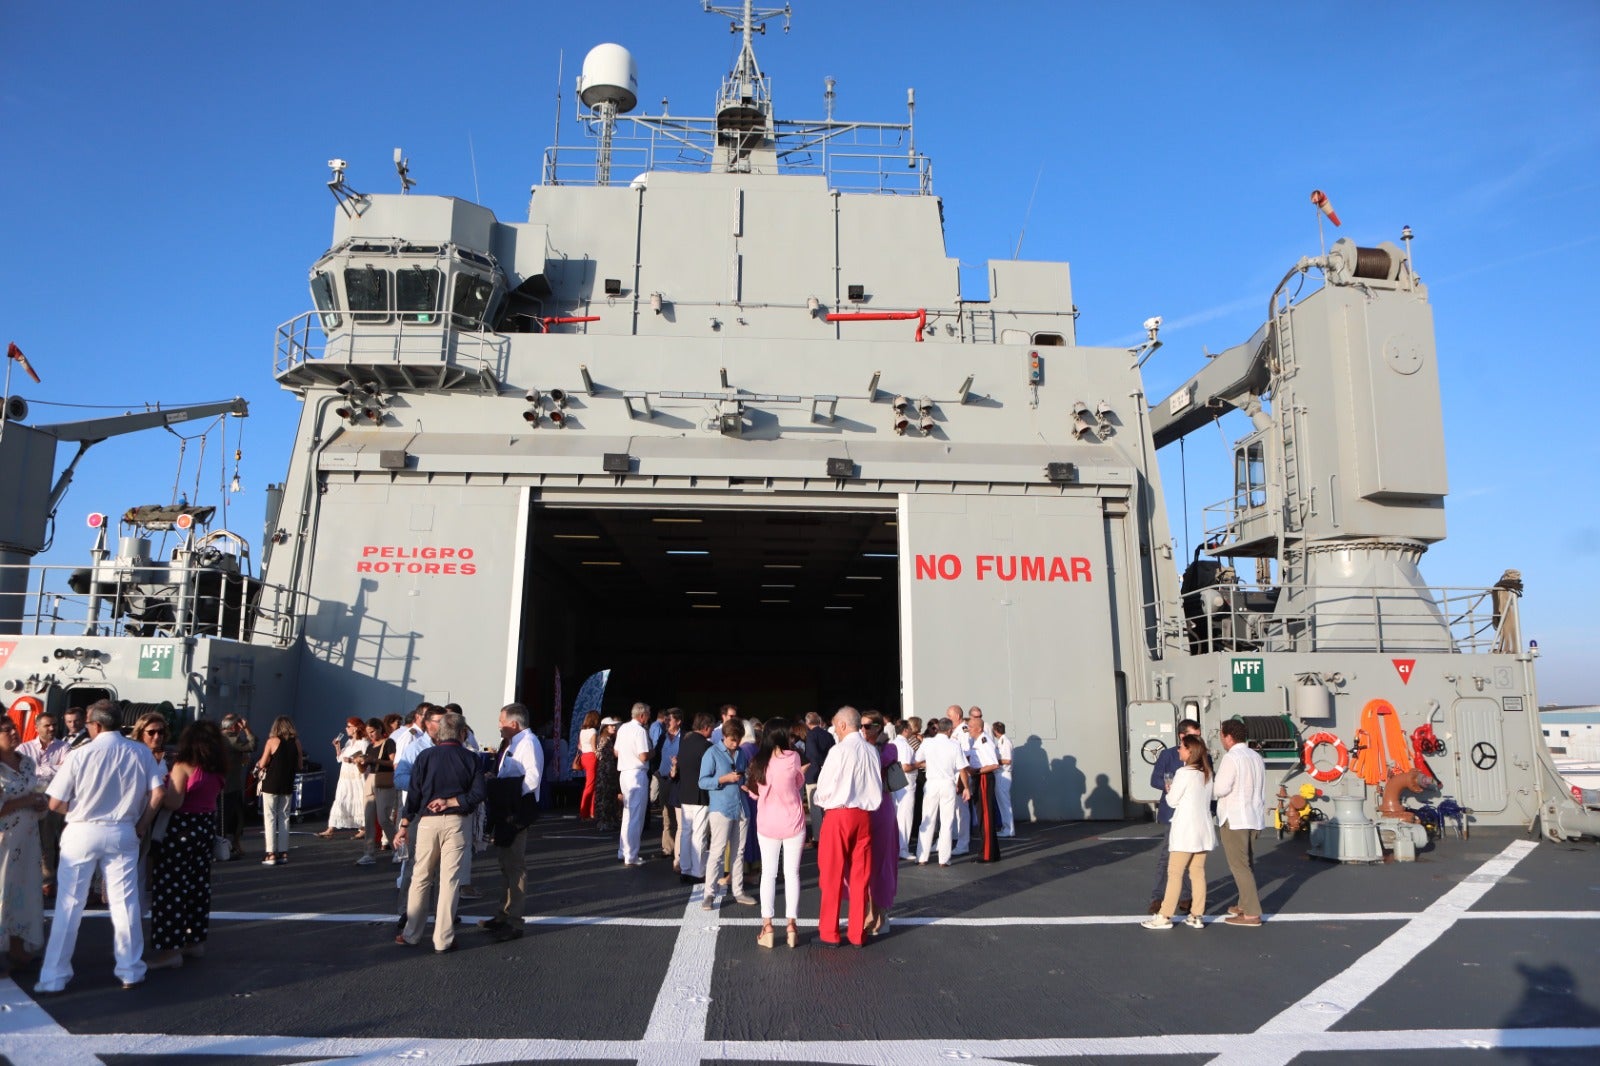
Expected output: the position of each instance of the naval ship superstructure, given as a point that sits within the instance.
(718, 418)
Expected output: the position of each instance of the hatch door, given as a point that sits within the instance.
(1480, 754)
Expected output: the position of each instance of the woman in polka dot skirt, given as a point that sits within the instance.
(180, 884)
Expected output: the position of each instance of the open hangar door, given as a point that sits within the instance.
(778, 611)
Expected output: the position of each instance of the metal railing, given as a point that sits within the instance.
(307, 338)
(168, 600)
(1244, 617)
(853, 157)
(1238, 518)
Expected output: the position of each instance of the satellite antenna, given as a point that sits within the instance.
(608, 87)
(402, 166)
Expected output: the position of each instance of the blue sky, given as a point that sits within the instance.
(163, 167)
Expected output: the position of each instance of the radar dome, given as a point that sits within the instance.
(610, 75)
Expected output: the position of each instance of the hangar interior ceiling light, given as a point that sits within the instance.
(664, 564)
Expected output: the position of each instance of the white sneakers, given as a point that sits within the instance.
(1157, 922)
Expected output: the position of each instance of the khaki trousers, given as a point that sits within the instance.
(1195, 863)
(513, 859)
(1239, 845)
(669, 833)
(438, 852)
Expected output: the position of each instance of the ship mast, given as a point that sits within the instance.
(745, 133)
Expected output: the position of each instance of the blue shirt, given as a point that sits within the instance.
(724, 799)
(669, 751)
(1167, 762)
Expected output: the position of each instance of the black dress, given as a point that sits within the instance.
(607, 785)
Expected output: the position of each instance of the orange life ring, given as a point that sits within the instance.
(25, 712)
(1341, 753)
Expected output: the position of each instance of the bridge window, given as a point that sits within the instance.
(367, 291)
(416, 295)
(1250, 476)
(322, 295)
(1049, 340)
(471, 300)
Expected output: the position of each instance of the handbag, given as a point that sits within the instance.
(894, 777)
(158, 828)
(221, 849)
(385, 754)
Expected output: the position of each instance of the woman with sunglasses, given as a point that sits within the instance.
(151, 731)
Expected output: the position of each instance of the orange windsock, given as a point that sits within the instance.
(1320, 198)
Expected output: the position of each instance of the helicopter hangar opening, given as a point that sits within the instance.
(779, 609)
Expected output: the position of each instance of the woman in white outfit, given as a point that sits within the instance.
(349, 797)
(1193, 835)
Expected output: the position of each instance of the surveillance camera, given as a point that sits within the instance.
(1152, 324)
(337, 164)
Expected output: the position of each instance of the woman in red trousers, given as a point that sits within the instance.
(585, 760)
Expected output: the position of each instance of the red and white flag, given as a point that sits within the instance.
(13, 352)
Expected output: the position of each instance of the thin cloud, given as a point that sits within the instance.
(1496, 264)
(1197, 318)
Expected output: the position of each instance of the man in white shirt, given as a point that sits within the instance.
(633, 770)
(1241, 794)
(47, 752)
(957, 718)
(943, 767)
(514, 795)
(905, 799)
(849, 788)
(983, 763)
(1002, 747)
(109, 791)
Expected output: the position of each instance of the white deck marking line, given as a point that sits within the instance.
(1328, 1003)
(22, 1019)
(678, 1020)
(39, 1048)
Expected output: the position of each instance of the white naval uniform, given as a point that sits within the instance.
(963, 843)
(107, 786)
(905, 799)
(633, 740)
(942, 762)
(1002, 781)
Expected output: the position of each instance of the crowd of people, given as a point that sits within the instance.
(868, 792)
(86, 810)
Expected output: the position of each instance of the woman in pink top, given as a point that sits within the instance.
(777, 781)
(180, 884)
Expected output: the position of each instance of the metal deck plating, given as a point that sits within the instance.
(1483, 945)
